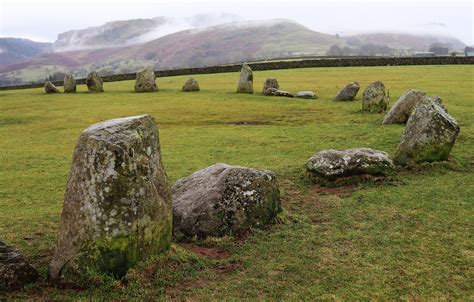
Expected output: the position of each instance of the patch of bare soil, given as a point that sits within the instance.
(209, 252)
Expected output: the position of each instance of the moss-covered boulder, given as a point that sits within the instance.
(429, 135)
(374, 98)
(117, 207)
(224, 200)
(246, 80)
(191, 85)
(270, 83)
(146, 81)
(15, 271)
(94, 82)
(69, 84)
(332, 165)
(348, 93)
(50, 88)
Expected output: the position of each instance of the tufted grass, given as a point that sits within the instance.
(408, 239)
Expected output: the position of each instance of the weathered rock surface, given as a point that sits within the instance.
(224, 200)
(191, 85)
(94, 82)
(246, 80)
(374, 98)
(15, 271)
(306, 95)
(401, 111)
(429, 135)
(146, 81)
(117, 207)
(270, 83)
(329, 165)
(69, 84)
(277, 92)
(348, 93)
(50, 88)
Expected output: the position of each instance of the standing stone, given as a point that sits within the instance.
(306, 95)
(224, 200)
(246, 80)
(50, 88)
(348, 93)
(270, 83)
(191, 85)
(69, 84)
(146, 81)
(429, 135)
(330, 165)
(374, 98)
(117, 207)
(15, 271)
(400, 112)
(94, 82)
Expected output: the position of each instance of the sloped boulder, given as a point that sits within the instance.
(50, 88)
(146, 81)
(429, 135)
(374, 98)
(94, 82)
(191, 85)
(69, 84)
(400, 112)
(224, 200)
(270, 83)
(331, 165)
(306, 95)
(246, 80)
(117, 207)
(15, 271)
(348, 93)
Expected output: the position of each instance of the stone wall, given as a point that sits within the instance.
(303, 63)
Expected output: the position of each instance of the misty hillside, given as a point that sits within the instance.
(14, 50)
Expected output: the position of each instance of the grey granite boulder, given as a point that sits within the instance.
(146, 81)
(401, 111)
(306, 95)
(191, 85)
(69, 84)
(348, 93)
(329, 165)
(429, 135)
(15, 271)
(224, 200)
(117, 207)
(277, 92)
(246, 80)
(50, 88)
(270, 83)
(94, 82)
(374, 98)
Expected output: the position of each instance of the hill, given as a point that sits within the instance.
(13, 50)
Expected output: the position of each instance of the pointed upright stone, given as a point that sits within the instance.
(69, 84)
(374, 98)
(146, 81)
(94, 82)
(117, 206)
(246, 80)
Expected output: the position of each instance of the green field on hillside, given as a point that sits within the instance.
(411, 238)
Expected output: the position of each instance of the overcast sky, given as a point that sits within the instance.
(44, 20)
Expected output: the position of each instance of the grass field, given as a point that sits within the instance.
(409, 239)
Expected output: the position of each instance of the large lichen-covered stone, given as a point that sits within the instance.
(348, 93)
(50, 88)
(94, 82)
(191, 85)
(146, 81)
(270, 83)
(401, 111)
(117, 207)
(69, 84)
(15, 271)
(374, 98)
(224, 200)
(429, 135)
(329, 165)
(246, 80)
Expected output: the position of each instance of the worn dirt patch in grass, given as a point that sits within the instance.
(209, 252)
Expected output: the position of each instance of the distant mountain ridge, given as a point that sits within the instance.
(14, 50)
